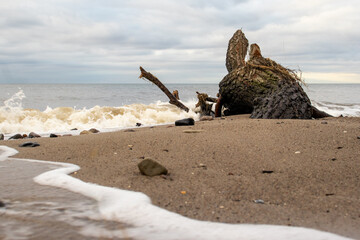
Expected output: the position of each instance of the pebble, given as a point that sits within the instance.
(53, 135)
(358, 137)
(84, 132)
(206, 118)
(34, 135)
(74, 129)
(2, 136)
(94, 130)
(2, 204)
(149, 167)
(138, 124)
(193, 131)
(297, 152)
(259, 201)
(129, 130)
(267, 171)
(16, 136)
(29, 144)
(185, 122)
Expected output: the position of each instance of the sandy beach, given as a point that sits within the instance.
(302, 172)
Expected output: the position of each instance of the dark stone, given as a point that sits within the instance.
(2, 204)
(52, 135)
(267, 171)
(185, 122)
(129, 130)
(34, 135)
(151, 168)
(358, 137)
(2, 136)
(138, 124)
(29, 144)
(16, 136)
(74, 129)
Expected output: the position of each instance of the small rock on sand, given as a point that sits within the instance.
(185, 122)
(93, 130)
(2, 136)
(29, 144)
(84, 132)
(206, 118)
(151, 168)
(16, 136)
(2, 204)
(34, 135)
(52, 135)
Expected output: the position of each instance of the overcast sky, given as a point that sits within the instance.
(105, 41)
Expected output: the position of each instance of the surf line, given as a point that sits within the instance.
(151, 222)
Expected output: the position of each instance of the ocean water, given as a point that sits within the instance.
(58, 108)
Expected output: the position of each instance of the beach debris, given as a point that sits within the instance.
(129, 130)
(329, 194)
(230, 174)
(16, 136)
(154, 80)
(2, 136)
(2, 204)
(340, 147)
(138, 124)
(74, 129)
(345, 132)
(259, 201)
(185, 122)
(167, 177)
(333, 159)
(267, 171)
(29, 144)
(222, 207)
(358, 137)
(34, 135)
(130, 146)
(183, 192)
(52, 135)
(93, 130)
(297, 152)
(206, 118)
(261, 87)
(150, 167)
(205, 106)
(193, 131)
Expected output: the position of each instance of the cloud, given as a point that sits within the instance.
(181, 41)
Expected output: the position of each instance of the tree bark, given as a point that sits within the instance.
(154, 80)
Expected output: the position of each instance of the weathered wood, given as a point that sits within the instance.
(154, 80)
(218, 107)
(261, 87)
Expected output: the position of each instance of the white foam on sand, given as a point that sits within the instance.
(151, 222)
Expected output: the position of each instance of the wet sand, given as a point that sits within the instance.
(307, 172)
(40, 212)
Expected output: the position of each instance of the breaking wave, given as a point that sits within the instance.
(337, 109)
(16, 119)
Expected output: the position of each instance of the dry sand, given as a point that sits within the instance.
(217, 173)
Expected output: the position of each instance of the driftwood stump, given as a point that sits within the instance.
(262, 87)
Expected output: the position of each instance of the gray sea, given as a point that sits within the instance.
(60, 107)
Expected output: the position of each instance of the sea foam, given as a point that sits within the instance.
(15, 119)
(151, 222)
